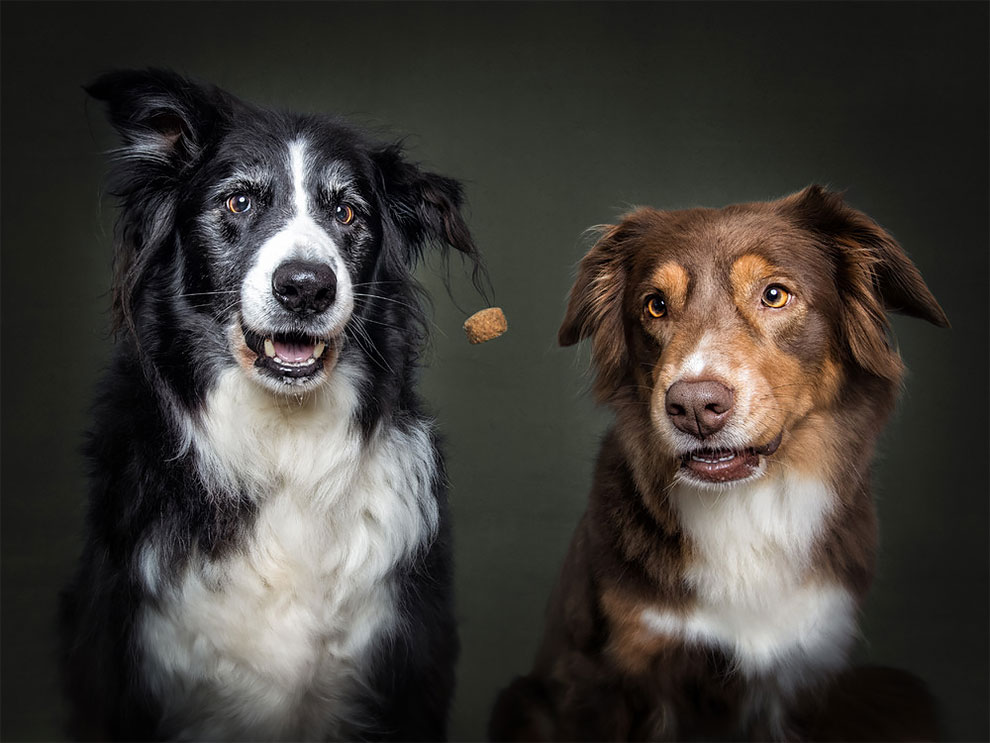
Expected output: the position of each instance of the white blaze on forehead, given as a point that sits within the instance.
(300, 238)
(698, 360)
(297, 164)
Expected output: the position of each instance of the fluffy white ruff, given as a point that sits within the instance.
(757, 595)
(270, 642)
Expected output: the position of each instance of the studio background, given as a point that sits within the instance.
(557, 117)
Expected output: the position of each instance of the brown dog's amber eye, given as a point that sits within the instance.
(775, 296)
(656, 305)
(239, 203)
(343, 214)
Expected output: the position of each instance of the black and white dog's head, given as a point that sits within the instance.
(283, 243)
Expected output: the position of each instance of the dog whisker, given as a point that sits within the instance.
(203, 294)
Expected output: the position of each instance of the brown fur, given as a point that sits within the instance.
(820, 372)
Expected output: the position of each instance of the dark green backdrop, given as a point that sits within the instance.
(557, 117)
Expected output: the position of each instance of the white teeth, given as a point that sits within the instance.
(728, 457)
(318, 350)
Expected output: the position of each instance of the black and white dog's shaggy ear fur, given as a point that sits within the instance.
(163, 118)
(166, 123)
(268, 549)
(425, 206)
(424, 209)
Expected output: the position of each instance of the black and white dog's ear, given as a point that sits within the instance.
(163, 118)
(165, 122)
(426, 209)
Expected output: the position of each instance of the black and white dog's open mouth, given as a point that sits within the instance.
(290, 355)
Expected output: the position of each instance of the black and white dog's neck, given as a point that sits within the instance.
(293, 614)
(268, 551)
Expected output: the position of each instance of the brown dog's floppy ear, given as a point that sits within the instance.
(597, 290)
(594, 307)
(896, 280)
(873, 272)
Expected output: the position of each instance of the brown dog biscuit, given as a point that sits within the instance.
(486, 324)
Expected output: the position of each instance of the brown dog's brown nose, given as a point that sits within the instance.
(699, 408)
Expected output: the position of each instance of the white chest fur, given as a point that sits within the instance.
(757, 595)
(269, 641)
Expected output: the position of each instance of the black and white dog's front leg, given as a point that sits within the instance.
(414, 678)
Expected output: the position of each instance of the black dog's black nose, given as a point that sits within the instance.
(304, 288)
(699, 408)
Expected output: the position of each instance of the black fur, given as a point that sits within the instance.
(177, 267)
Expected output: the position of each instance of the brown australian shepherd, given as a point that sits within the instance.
(713, 584)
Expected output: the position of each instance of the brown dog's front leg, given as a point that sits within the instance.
(523, 712)
(581, 702)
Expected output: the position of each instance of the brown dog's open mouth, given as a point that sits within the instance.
(727, 465)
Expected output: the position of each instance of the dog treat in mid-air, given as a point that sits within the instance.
(485, 324)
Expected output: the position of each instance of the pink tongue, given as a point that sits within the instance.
(292, 352)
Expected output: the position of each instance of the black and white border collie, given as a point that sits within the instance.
(268, 549)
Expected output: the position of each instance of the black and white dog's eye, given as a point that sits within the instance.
(343, 213)
(239, 203)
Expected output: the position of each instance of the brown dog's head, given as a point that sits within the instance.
(735, 329)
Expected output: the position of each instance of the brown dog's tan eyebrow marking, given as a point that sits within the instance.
(748, 270)
(750, 274)
(673, 279)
